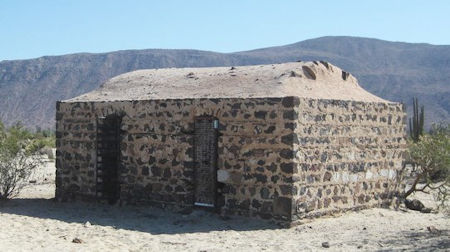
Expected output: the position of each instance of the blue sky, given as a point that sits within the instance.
(35, 28)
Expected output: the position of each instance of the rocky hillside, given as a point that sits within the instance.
(391, 70)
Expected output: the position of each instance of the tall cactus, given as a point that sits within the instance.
(416, 122)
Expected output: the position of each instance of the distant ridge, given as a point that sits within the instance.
(395, 71)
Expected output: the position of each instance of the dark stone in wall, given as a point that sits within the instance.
(245, 204)
(275, 179)
(286, 189)
(256, 204)
(327, 176)
(290, 126)
(236, 106)
(220, 201)
(290, 115)
(261, 178)
(179, 188)
(74, 188)
(133, 170)
(289, 102)
(167, 173)
(290, 139)
(326, 202)
(156, 171)
(270, 129)
(361, 199)
(267, 207)
(273, 115)
(282, 206)
(272, 167)
(265, 193)
(260, 114)
(287, 167)
(189, 164)
(287, 153)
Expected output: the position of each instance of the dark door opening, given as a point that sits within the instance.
(205, 154)
(108, 158)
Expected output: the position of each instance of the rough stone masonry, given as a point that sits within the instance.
(285, 142)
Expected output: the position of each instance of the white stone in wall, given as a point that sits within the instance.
(223, 176)
(392, 174)
(336, 177)
(354, 177)
(351, 156)
(345, 177)
(369, 175)
(384, 173)
(375, 175)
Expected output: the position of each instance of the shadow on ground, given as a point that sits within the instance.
(145, 219)
(419, 241)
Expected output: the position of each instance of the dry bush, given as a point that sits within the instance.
(15, 171)
(17, 159)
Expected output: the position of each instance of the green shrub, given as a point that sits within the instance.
(431, 154)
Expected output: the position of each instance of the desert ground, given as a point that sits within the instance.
(33, 221)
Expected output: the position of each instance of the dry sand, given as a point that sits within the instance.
(34, 221)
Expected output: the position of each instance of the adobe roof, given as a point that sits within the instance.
(318, 80)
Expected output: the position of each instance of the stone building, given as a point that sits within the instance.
(284, 141)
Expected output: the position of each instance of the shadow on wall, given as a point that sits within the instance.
(145, 219)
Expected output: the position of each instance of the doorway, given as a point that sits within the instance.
(108, 158)
(205, 155)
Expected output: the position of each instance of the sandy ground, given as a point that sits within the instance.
(34, 221)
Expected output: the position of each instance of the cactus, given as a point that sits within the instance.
(416, 122)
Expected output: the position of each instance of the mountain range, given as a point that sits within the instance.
(395, 71)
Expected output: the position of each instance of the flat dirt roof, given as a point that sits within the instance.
(317, 80)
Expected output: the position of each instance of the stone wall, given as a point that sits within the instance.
(348, 155)
(157, 163)
(282, 158)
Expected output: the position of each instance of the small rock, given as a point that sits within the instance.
(359, 247)
(426, 210)
(77, 240)
(32, 181)
(325, 244)
(433, 230)
(414, 204)
(364, 228)
(87, 224)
